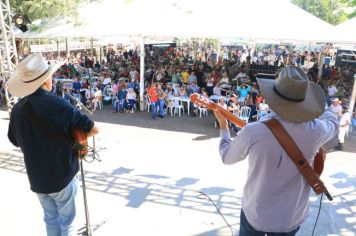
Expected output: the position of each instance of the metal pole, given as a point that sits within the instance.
(142, 71)
(91, 49)
(58, 52)
(353, 97)
(88, 230)
(67, 48)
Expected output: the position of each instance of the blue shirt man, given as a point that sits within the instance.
(77, 85)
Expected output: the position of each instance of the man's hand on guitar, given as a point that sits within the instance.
(221, 119)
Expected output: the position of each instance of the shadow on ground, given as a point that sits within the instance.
(138, 189)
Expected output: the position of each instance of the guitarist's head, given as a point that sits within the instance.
(30, 74)
(292, 96)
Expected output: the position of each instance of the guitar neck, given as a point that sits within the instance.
(230, 117)
(213, 106)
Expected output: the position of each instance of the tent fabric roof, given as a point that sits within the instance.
(346, 31)
(252, 19)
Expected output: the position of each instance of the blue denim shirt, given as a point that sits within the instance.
(50, 164)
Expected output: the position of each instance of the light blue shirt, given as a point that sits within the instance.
(243, 92)
(276, 196)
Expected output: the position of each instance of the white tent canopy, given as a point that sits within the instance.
(253, 19)
(346, 32)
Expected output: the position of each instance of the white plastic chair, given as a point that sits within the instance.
(245, 113)
(177, 105)
(203, 111)
(170, 106)
(147, 103)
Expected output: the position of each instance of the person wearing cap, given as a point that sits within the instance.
(336, 108)
(276, 195)
(51, 165)
(345, 120)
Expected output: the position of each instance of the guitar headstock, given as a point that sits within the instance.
(196, 99)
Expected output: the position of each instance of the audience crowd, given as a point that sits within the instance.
(228, 75)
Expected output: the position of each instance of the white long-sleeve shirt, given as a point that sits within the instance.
(276, 196)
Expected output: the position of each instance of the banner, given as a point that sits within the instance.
(62, 47)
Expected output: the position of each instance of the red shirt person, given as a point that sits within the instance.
(152, 93)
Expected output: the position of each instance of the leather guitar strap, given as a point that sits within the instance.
(296, 155)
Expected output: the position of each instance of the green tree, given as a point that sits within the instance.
(45, 9)
(352, 5)
(331, 11)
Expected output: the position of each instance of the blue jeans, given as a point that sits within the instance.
(60, 210)
(117, 105)
(161, 107)
(247, 230)
(154, 110)
(130, 104)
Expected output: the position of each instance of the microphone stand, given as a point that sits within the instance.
(87, 230)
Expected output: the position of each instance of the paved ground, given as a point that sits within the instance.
(150, 178)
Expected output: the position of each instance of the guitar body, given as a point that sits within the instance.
(81, 138)
(319, 160)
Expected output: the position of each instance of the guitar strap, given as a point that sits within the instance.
(48, 128)
(296, 155)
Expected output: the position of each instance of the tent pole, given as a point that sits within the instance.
(67, 49)
(353, 97)
(58, 52)
(92, 49)
(142, 71)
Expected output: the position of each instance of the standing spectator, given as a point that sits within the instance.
(344, 123)
(161, 99)
(336, 108)
(152, 93)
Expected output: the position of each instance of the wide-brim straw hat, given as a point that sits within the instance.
(292, 96)
(30, 74)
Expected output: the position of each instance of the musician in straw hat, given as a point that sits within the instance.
(276, 195)
(51, 165)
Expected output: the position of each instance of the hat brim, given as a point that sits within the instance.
(310, 108)
(20, 89)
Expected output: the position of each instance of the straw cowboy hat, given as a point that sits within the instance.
(30, 74)
(292, 96)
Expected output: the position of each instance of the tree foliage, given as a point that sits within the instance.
(331, 11)
(45, 9)
(352, 5)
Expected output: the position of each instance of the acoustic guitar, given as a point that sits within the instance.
(319, 158)
(81, 142)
